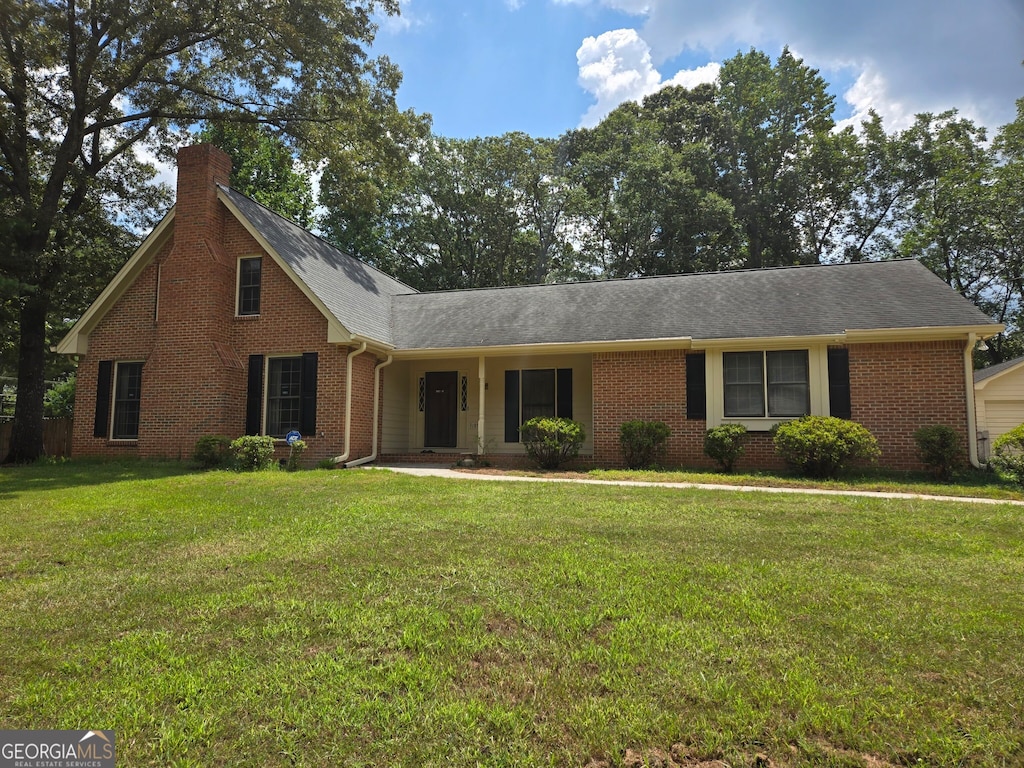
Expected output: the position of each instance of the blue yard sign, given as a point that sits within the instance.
(292, 437)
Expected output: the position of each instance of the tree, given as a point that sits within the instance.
(263, 168)
(775, 113)
(647, 178)
(88, 87)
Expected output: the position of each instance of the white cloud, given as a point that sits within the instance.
(690, 78)
(871, 92)
(910, 56)
(514, 5)
(616, 67)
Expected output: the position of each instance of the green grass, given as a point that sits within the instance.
(366, 618)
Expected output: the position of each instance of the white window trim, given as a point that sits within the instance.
(714, 379)
(238, 285)
(265, 405)
(113, 402)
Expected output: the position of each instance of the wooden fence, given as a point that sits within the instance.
(56, 437)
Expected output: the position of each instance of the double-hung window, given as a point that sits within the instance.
(284, 395)
(774, 384)
(281, 395)
(535, 392)
(250, 278)
(127, 391)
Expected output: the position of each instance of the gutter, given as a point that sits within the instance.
(348, 404)
(972, 419)
(376, 412)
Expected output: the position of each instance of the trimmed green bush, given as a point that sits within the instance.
(940, 449)
(551, 441)
(1008, 455)
(212, 452)
(724, 444)
(295, 454)
(643, 442)
(253, 452)
(820, 446)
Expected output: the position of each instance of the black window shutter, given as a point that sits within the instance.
(511, 406)
(254, 398)
(696, 387)
(839, 383)
(563, 393)
(307, 418)
(101, 422)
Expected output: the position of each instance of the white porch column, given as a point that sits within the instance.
(482, 407)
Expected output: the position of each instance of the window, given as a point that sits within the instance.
(772, 383)
(286, 399)
(127, 390)
(533, 393)
(249, 281)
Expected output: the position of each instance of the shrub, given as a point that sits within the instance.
(253, 452)
(1008, 455)
(724, 444)
(59, 400)
(820, 446)
(940, 449)
(550, 441)
(212, 452)
(297, 449)
(642, 442)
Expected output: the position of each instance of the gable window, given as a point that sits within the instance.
(282, 395)
(127, 391)
(776, 384)
(533, 393)
(249, 282)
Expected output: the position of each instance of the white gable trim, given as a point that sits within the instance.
(76, 342)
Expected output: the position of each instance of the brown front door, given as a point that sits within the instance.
(441, 410)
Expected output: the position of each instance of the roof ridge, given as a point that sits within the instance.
(745, 270)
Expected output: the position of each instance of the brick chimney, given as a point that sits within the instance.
(189, 391)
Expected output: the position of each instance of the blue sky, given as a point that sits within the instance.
(485, 67)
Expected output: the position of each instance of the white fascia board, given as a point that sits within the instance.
(76, 341)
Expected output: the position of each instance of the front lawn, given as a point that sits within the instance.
(364, 618)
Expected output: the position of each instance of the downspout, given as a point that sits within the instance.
(376, 412)
(972, 425)
(348, 404)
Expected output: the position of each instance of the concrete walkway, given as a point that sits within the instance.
(427, 470)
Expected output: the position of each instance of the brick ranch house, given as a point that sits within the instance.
(231, 320)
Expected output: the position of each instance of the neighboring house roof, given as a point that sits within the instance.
(358, 295)
(793, 301)
(997, 370)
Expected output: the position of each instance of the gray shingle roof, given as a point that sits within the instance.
(358, 295)
(992, 370)
(794, 301)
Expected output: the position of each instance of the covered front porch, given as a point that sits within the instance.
(440, 407)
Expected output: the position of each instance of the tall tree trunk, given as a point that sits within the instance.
(27, 433)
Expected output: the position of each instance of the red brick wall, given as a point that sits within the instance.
(196, 351)
(647, 385)
(895, 389)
